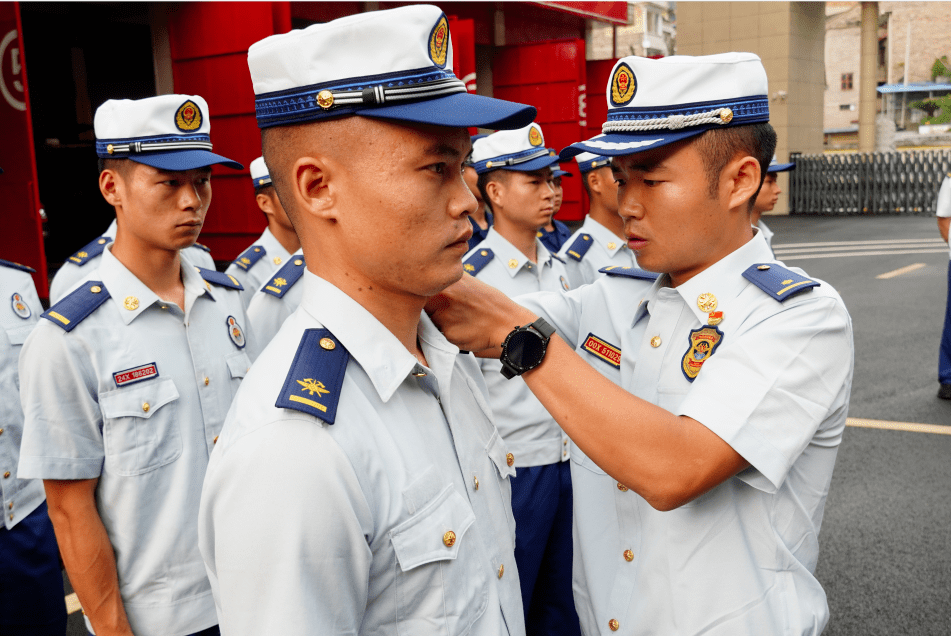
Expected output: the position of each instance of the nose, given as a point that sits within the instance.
(463, 202)
(190, 197)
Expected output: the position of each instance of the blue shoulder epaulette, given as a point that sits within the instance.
(203, 247)
(777, 281)
(250, 257)
(285, 277)
(90, 251)
(477, 262)
(580, 247)
(313, 384)
(12, 265)
(629, 272)
(77, 305)
(220, 278)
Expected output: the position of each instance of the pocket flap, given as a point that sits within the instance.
(425, 537)
(238, 364)
(499, 455)
(18, 334)
(131, 401)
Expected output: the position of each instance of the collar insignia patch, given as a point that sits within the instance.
(703, 342)
(603, 350)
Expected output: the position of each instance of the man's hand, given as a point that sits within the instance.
(476, 317)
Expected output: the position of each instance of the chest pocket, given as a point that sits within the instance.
(238, 364)
(140, 427)
(440, 580)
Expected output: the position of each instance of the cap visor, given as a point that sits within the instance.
(526, 166)
(615, 145)
(460, 110)
(560, 173)
(781, 167)
(183, 160)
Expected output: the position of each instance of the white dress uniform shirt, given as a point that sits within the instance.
(358, 542)
(606, 249)
(529, 431)
(18, 317)
(267, 313)
(260, 271)
(741, 558)
(135, 395)
(944, 198)
(766, 232)
(70, 273)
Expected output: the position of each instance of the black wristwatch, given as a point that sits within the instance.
(524, 348)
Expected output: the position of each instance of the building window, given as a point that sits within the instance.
(846, 81)
(653, 23)
(846, 106)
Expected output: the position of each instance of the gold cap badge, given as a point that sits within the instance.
(188, 117)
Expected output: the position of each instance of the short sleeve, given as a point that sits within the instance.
(561, 310)
(944, 198)
(282, 530)
(774, 388)
(62, 430)
(266, 314)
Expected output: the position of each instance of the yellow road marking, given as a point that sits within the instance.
(900, 271)
(72, 604)
(899, 426)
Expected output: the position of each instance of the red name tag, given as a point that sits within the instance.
(603, 350)
(131, 376)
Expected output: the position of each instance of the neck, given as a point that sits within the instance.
(523, 238)
(287, 237)
(159, 269)
(398, 311)
(608, 218)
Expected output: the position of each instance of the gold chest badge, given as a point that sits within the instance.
(703, 342)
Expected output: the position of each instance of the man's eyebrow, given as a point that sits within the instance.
(445, 150)
(646, 166)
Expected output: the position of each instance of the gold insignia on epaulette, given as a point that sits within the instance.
(469, 267)
(246, 260)
(82, 254)
(279, 282)
(313, 386)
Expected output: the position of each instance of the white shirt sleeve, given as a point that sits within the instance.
(282, 530)
(944, 198)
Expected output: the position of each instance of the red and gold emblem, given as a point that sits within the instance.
(188, 117)
(235, 332)
(439, 41)
(623, 85)
(535, 136)
(703, 342)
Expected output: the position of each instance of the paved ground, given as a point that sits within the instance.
(885, 558)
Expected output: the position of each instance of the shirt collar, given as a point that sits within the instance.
(510, 256)
(272, 246)
(133, 297)
(383, 358)
(723, 280)
(603, 236)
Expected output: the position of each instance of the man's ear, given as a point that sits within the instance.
(314, 187)
(594, 181)
(264, 202)
(742, 179)
(494, 190)
(110, 186)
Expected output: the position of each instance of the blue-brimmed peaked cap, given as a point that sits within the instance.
(394, 64)
(168, 132)
(775, 166)
(259, 173)
(521, 150)
(652, 103)
(556, 170)
(588, 162)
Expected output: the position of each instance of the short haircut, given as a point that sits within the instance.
(121, 166)
(499, 176)
(720, 146)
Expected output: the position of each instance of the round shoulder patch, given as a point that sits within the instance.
(535, 136)
(623, 85)
(439, 41)
(235, 332)
(20, 308)
(188, 117)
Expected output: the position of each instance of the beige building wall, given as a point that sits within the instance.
(842, 56)
(788, 37)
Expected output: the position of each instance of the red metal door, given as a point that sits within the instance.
(22, 238)
(551, 77)
(462, 33)
(209, 46)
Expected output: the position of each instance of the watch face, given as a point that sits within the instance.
(525, 349)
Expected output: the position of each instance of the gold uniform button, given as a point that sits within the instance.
(131, 303)
(449, 539)
(6, 475)
(628, 555)
(655, 341)
(475, 482)
(328, 344)
(207, 381)
(277, 260)
(10, 506)
(564, 442)
(513, 263)
(483, 253)
(763, 268)
(215, 441)
(145, 407)
(612, 245)
(298, 262)
(11, 517)
(501, 570)
(622, 487)
(95, 289)
(325, 99)
(614, 625)
(509, 459)
(1, 431)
